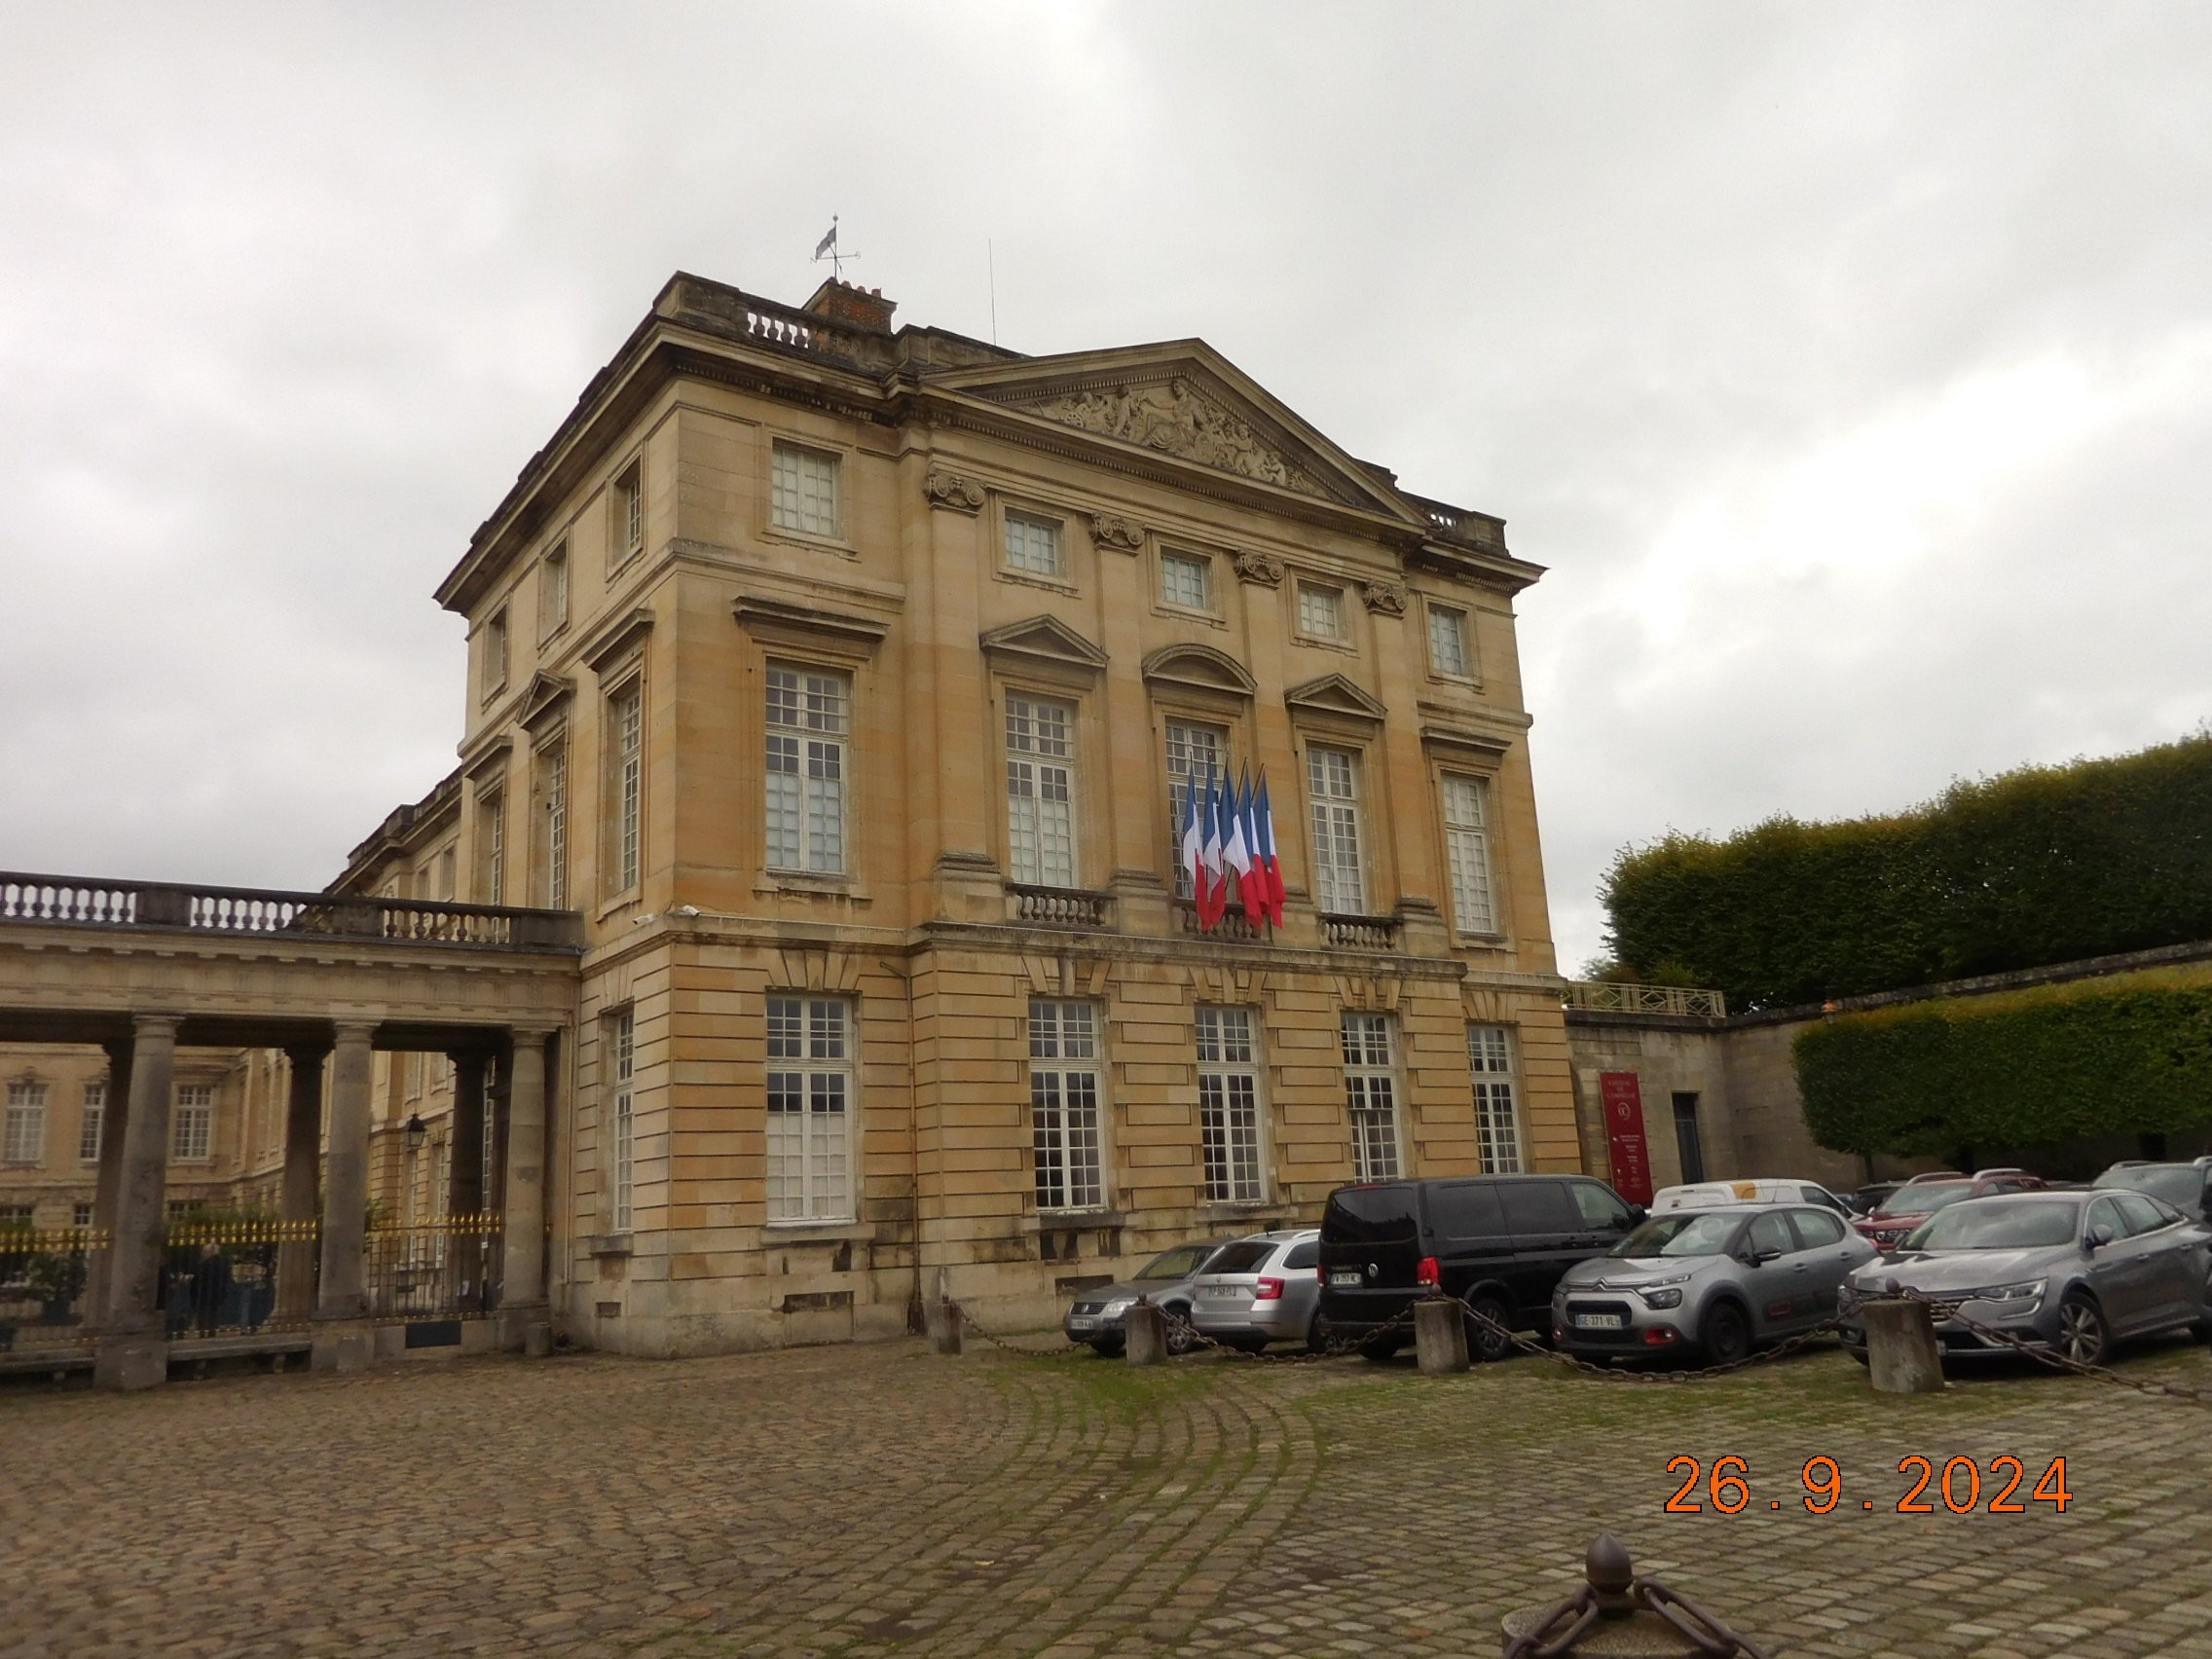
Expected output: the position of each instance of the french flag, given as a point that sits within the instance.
(1194, 843)
(1213, 880)
(1251, 874)
(1268, 862)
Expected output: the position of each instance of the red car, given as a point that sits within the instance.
(1914, 1203)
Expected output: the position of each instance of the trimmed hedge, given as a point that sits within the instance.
(1928, 1078)
(2040, 866)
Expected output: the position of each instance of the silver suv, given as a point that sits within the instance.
(1263, 1289)
(1708, 1282)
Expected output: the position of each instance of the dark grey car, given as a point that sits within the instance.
(1097, 1316)
(2071, 1271)
(2188, 1187)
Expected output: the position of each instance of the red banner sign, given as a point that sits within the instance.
(1623, 1099)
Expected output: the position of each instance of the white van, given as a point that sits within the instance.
(1704, 1195)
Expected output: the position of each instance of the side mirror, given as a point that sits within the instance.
(2099, 1236)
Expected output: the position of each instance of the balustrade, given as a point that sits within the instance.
(1608, 996)
(1060, 907)
(1361, 933)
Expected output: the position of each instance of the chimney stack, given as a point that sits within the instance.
(852, 306)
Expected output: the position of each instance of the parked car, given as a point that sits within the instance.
(1099, 1316)
(1917, 1199)
(1498, 1242)
(1712, 1195)
(1866, 1199)
(1263, 1289)
(2188, 1187)
(1713, 1281)
(2072, 1271)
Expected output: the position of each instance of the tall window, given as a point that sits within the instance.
(621, 1151)
(553, 796)
(1498, 1118)
(1447, 651)
(625, 713)
(629, 512)
(1063, 1105)
(92, 1122)
(1320, 612)
(492, 847)
(1185, 580)
(494, 653)
(1193, 754)
(1039, 757)
(1229, 1105)
(1333, 786)
(810, 1093)
(23, 1137)
(553, 589)
(79, 1215)
(807, 724)
(1033, 544)
(192, 1130)
(1466, 850)
(1370, 1096)
(803, 492)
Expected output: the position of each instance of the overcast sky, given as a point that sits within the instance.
(1849, 367)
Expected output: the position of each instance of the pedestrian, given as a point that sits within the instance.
(211, 1288)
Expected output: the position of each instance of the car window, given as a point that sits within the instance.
(1599, 1207)
(1823, 1196)
(2105, 1213)
(1466, 1209)
(1816, 1228)
(1770, 1234)
(1179, 1263)
(2022, 1223)
(1243, 1257)
(1538, 1206)
(2176, 1183)
(2140, 1213)
(1371, 1215)
(1305, 1255)
(1922, 1197)
(1684, 1233)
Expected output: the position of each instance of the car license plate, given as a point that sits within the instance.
(1598, 1321)
(1216, 1292)
(1081, 1323)
(1346, 1276)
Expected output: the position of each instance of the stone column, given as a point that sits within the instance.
(108, 1183)
(303, 1178)
(346, 1189)
(522, 1291)
(134, 1349)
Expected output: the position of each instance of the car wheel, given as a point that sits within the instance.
(1379, 1351)
(1181, 1338)
(1490, 1341)
(2084, 1337)
(1858, 1353)
(1725, 1336)
(1107, 1347)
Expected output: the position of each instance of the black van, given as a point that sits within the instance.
(1498, 1242)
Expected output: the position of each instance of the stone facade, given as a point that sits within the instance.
(832, 674)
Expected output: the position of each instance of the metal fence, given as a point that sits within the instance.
(444, 1270)
(44, 1286)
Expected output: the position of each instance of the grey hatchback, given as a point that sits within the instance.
(1097, 1316)
(2072, 1271)
(1714, 1281)
(1263, 1289)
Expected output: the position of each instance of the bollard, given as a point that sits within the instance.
(1439, 1336)
(947, 1329)
(1901, 1355)
(1146, 1328)
(1621, 1616)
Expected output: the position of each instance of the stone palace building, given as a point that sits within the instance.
(847, 681)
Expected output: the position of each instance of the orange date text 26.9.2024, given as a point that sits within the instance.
(1960, 1485)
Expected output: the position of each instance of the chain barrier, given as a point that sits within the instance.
(1562, 1627)
(2044, 1354)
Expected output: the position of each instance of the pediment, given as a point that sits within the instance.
(1044, 641)
(1334, 694)
(548, 695)
(1183, 399)
(1202, 666)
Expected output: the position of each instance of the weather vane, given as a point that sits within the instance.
(827, 248)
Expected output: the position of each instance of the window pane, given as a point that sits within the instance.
(1338, 885)
(805, 798)
(1184, 580)
(804, 493)
(1448, 640)
(1320, 611)
(1194, 752)
(1032, 544)
(1040, 791)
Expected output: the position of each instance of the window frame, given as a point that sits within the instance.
(1179, 783)
(805, 739)
(626, 513)
(1227, 1070)
(22, 1121)
(1495, 1072)
(1208, 604)
(1300, 586)
(780, 446)
(621, 1037)
(822, 1199)
(492, 844)
(1457, 838)
(1361, 1076)
(1038, 761)
(553, 595)
(623, 768)
(1468, 672)
(178, 1107)
(1060, 576)
(1065, 1069)
(497, 654)
(91, 1121)
(549, 763)
(1320, 868)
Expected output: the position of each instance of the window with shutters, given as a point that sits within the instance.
(807, 729)
(1448, 653)
(1332, 778)
(810, 1105)
(192, 1125)
(621, 1126)
(1194, 753)
(1498, 1116)
(803, 491)
(1229, 1105)
(92, 1122)
(1370, 1096)
(1040, 789)
(22, 1135)
(1063, 1105)
(1033, 545)
(1466, 853)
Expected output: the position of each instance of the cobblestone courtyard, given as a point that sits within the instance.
(869, 1501)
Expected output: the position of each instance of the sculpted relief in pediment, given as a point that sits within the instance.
(1177, 418)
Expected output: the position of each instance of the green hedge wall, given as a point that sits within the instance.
(2041, 866)
(1928, 1078)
